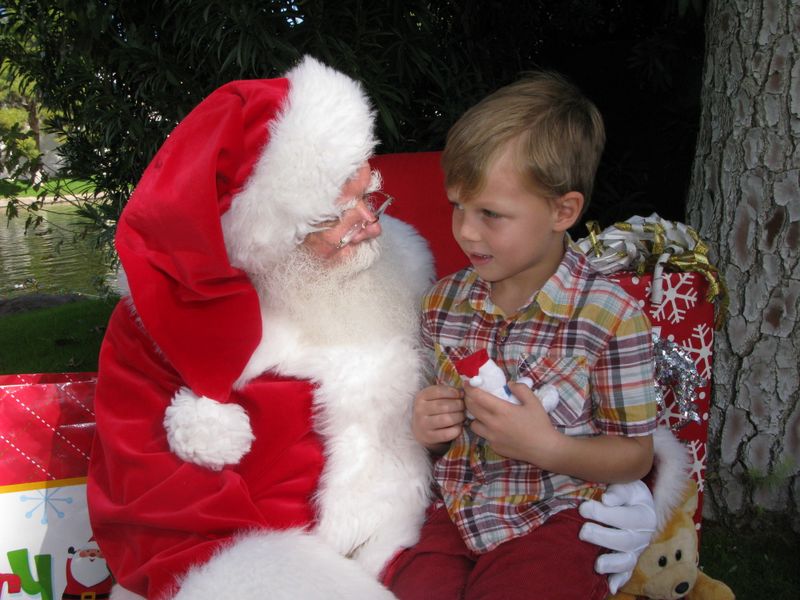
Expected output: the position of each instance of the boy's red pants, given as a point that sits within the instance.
(548, 563)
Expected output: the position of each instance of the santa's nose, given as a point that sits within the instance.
(372, 230)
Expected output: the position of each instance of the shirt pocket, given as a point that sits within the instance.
(569, 375)
(445, 358)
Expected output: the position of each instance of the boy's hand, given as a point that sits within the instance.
(438, 416)
(521, 432)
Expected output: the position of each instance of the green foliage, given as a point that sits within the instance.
(11, 116)
(20, 114)
(19, 150)
(119, 75)
(756, 478)
(52, 340)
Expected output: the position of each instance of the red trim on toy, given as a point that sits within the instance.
(469, 365)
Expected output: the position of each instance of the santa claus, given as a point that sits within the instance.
(254, 386)
(88, 577)
(253, 429)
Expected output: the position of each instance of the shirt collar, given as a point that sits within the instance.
(478, 293)
(556, 298)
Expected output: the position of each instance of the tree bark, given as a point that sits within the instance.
(744, 199)
(35, 165)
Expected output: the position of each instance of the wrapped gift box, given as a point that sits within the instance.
(686, 317)
(46, 431)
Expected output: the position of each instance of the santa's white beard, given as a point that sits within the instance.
(354, 300)
(89, 571)
(351, 326)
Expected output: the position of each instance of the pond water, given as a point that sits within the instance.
(47, 259)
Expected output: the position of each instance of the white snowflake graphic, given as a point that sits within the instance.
(679, 296)
(671, 416)
(700, 345)
(46, 500)
(697, 449)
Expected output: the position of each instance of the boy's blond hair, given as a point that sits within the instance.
(558, 132)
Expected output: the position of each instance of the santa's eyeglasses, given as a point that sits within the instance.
(376, 203)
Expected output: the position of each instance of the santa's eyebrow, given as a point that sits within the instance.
(375, 181)
(349, 204)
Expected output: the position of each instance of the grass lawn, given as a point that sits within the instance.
(759, 561)
(54, 340)
(10, 188)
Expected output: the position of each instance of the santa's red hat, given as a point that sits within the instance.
(236, 186)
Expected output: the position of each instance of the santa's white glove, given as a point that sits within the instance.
(626, 521)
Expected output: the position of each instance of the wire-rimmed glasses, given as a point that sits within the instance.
(376, 202)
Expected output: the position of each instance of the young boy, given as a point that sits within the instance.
(519, 169)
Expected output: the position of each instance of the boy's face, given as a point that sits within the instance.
(513, 236)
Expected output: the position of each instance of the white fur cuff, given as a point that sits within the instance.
(672, 473)
(280, 565)
(206, 432)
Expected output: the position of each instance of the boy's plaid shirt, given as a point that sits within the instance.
(581, 333)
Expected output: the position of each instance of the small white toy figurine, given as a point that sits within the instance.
(483, 373)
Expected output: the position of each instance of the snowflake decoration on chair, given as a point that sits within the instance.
(700, 345)
(697, 449)
(679, 296)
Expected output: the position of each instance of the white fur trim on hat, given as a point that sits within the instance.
(671, 465)
(206, 432)
(322, 135)
(120, 593)
(91, 544)
(280, 565)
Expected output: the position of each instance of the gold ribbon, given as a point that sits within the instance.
(650, 245)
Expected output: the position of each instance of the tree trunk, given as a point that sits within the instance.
(744, 199)
(35, 164)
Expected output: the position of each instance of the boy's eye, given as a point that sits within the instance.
(490, 214)
(456, 206)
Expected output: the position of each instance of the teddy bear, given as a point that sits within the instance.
(668, 567)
